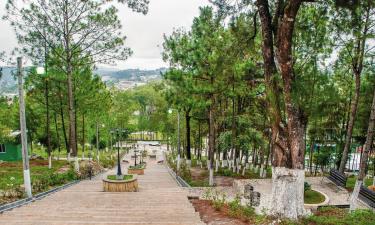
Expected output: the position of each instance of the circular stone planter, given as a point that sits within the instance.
(136, 171)
(120, 185)
(314, 206)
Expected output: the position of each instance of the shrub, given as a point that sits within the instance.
(238, 211)
(307, 186)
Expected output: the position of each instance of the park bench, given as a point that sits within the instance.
(368, 196)
(338, 178)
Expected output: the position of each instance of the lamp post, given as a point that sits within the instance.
(43, 71)
(117, 132)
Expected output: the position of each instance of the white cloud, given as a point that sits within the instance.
(144, 32)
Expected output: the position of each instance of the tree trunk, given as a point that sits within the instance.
(48, 129)
(353, 112)
(288, 141)
(63, 121)
(366, 150)
(211, 141)
(188, 141)
(58, 136)
(83, 136)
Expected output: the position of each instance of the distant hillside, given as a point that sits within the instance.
(131, 74)
(8, 83)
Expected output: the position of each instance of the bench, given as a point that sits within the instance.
(338, 178)
(368, 196)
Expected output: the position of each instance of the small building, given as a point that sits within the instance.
(10, 152)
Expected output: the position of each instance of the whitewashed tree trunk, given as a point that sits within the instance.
(256, 169)
(287, 193)
(211, 177)
(68, 156)
(247, 166)
(262, 172)
(224, 163)
(243, 171)
(188, 162)
(50, 161)
(76, 164)
(178, 163)
(217, 162)
(354, 195)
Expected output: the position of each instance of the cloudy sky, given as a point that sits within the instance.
(144, 32)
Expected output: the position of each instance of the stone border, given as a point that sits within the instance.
(124, 187)
(36, 197)
(326, 201)
(25, 201)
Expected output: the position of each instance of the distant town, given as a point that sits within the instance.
(118, 79)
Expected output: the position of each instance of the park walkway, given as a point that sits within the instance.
(159, 202)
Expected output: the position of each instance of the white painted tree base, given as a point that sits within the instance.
(287, 199)
(76, 164)
(50, 162)
(211, 178)
(354, 195)
(27, 183)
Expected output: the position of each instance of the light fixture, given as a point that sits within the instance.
(40, 70)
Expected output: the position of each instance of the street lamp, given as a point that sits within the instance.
(117, 132)
(40, 70)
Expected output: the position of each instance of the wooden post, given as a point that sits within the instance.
(25, 156)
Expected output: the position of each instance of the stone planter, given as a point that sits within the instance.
(120, 185)
(136, 171)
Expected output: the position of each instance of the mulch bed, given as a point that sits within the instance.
(211, 216)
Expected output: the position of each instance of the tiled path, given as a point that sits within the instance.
(159, 202)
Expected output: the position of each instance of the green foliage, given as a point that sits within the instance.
(125, 177)
(307, 186)
(239, 211)
(51, 179)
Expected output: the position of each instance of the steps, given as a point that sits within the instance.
(159, 202)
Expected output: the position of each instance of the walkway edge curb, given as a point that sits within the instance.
(25, 201)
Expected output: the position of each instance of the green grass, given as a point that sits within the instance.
(350, 183)
(114, 177)
(137, 167)
(313, 197)
(11, 173)
(333, 216)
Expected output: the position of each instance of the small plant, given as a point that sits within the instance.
(237, 210)
(307, 186)
(125, 177)
(137, 167)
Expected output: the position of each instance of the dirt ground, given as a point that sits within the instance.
(211, 216)
(201, 174)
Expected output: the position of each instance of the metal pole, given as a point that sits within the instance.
(25, 156)
(178, 142)
(119, 173)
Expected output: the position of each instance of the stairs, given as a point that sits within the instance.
(159, 202)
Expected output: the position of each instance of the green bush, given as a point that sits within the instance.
(51, 179)
(237, 210)
(307, 186)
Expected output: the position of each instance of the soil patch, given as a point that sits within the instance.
(211, 216)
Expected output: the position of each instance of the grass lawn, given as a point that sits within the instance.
(351, 182)
(313, 197)
(114, 177)
(11, 173)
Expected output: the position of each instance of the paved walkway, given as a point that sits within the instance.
(159, 202)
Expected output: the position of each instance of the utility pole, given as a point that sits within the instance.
(25, 156)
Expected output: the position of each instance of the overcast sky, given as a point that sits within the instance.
(144, 32)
